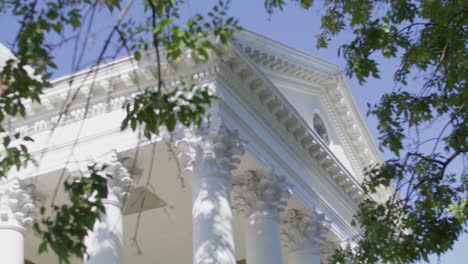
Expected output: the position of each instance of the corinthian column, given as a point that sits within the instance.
(104, 243)
(16, 206)
(303, 232)
(261, 195)
(209, 154)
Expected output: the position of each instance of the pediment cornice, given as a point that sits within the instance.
(273, 56)
(276, 105)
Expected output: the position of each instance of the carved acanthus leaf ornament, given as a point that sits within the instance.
(16, 204)
(260, 192)
(303, 229)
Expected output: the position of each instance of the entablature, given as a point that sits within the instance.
(275, 57)
(115, 82)
(100, 90)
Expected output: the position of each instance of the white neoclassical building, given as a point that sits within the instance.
(272, 178)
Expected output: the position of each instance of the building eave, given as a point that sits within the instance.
(279, 58)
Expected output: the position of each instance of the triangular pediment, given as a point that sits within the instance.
(317, 91)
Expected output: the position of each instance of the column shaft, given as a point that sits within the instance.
(260, 195)
(11, 246)
(211, 154)
(263, 240)
(213, 240)
(16, 207)
(104, 243)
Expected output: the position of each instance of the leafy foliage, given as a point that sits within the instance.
(26, 75)
(429, 206)
(64, 231)
(24, 78)
(187, 105)
(423, 128)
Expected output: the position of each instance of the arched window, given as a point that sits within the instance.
(320, 128)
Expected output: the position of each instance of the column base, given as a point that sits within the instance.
(263, 239)
(104, 244)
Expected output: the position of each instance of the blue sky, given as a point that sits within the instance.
(293, 27)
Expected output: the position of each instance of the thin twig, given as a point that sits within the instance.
(140, 213)
(88, 99)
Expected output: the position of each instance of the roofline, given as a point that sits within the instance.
(288, 51)
(310, 69)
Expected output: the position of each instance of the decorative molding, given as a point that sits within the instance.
(310, 187)
(121, 175)
(236, 90)
(298, 131)
(118, 83)
(277, 64)
(303, 229)
(109, 90)
(213, 149)
(115, 82)
(275, 57)
(282, 51)
(261, 192)
(320, 91)
(16, 205)
(345, 140)
(352, 133)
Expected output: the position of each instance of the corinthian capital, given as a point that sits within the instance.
(304, 228)
(260, 192)
(16, 204)
(119, 173)
(210, 150)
